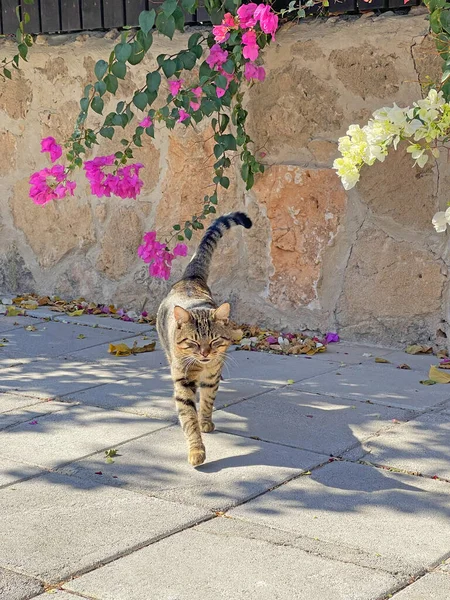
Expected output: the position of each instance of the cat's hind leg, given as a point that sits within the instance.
(184, 393)
(209, 384)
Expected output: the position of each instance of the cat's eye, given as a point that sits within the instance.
(186, 344)
(218, 342)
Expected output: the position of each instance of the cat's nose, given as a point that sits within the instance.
(204, 352)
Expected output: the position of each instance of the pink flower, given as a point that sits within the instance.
(330, 338)
(221, 33)
(217, 56)
(175, 86)
(125, 183)
(159, 257)
(246, 15)
(268, 20)
(194, 105)
(147, 122)
(220, 92)
(198, 94)
(49, 144)
(229, 21)
(180, 250)
(272, 340)
(183, 115)
(251, 71)
(50, 184)
(250, 46)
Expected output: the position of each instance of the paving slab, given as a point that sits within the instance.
(379, 383)
(318, 423)
(433, 586)
(400, 520)
(422, 445)
(236, 469)
(247, 562)
(52, 339)
(11, 323)
(352, 353)
(91, 321)
(31, 413)
(56, 377)
(72, 433)
(59, 594)
(13, 401)
(272, 369)
(151, 394)
(18, 587)
(66, 525)
(12, 471)
(417, 362)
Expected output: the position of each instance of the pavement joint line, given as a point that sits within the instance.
(56, 469)
(38, 416)
(96, 326)
(392, 469)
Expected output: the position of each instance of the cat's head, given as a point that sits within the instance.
(203, 334)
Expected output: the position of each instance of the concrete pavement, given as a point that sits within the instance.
(333, 487)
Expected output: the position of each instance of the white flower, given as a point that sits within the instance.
(441, 220)
(347, 171)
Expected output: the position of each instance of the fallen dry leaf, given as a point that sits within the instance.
(427, 382)
(438, 376)
(30, 328)
(11, 311)
(442, 353)
(76, 313)
(404, 366)
(382, 360)
(417, 349)
(444, 365)
(124, 350)
(81, 336)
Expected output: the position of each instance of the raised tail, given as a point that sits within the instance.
(200, 262)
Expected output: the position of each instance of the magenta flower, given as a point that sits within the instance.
(268, 20)
(195, 104)
(230, 21)
(50, 184)
(220, 92)
(221, 33)
(159, 257)
(251, 71)
(183, 115)
(251, 49)
(272, 339)
(180, 250)
(125, 183)
(49, 144)
(246, 15)
(175, 86)
(147, 122)
(217, 56)
(331, 338)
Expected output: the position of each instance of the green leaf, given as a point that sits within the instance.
(147, 20)
(97, 104)
(224, 120)
(228, 141)
(194, 38)
(107, 132)
(205, 70)
(189, 59)
(169, 67)
(137, 55)
(84, 104)
(168, 7)
(153, 81)
(177, 227)
(190, 6)
(434, 4)
(228, 67)
(23, 50)
(445, 20)
(7, 73)
(111, 83)
(224, 182)
(120, 106)
(146, 40)
(140, 100)
(178, 17)
(434, 21)
(197, 50)
(100, 87)
(218, 150)
(187, 233)
(100, 69)
(123, 52)
(221, 81)
(119, 69)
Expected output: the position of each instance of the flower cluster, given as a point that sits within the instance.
(158, 255)
(50, 184)
(49, 144)
(426, 122)
(124, 183)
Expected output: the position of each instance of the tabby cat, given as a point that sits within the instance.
(195, 334)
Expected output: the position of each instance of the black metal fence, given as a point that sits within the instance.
(57, 16)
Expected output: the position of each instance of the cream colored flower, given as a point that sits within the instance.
(441, 220)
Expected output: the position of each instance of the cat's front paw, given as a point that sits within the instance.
(197, 456)
(207, 426)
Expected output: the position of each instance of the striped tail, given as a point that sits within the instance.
(200, 262)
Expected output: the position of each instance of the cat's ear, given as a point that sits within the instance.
(222, 313)
(181, 315)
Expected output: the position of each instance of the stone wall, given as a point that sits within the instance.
(366, 263)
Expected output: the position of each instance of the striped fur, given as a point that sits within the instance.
(195, 334)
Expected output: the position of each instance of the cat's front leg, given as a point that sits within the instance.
(185, 390)
(209, 384)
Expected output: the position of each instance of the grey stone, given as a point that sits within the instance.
(434, 586)
(12, 401)
(422, 445)
(57, 377)
(351, 353)
(398, 520)
(379, 383)
(73, 433)
(12, 471)
(66, 525)
(15, 323)
(236, 468)
(317, 423)
(18, 587)
(51, 340)
(125, 365)
(244, 562)
(151, 394)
